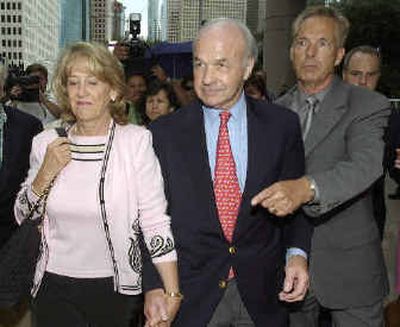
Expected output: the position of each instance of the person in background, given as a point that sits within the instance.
(184, 90)
(42, 108)
(392, 311)
(255, 87)
(159, 100)
(16, 132)
(158, 71)
(362, 67)
(104, 188)
(136, 87)
(343, 127)
(236, 263)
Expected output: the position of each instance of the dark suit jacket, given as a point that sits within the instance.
(393, 143)
(275, 152)
(344, 151)
(19, 130)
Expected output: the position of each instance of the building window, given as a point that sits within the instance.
(19, 5)
(14, 6)
(3, 43)
(19, 18)
(20, 43)
(9, 43)
(20, 55)
(2, 6)
(19, 30)
(8, 30)
(8, 19)
(8, 8)
(14, 43)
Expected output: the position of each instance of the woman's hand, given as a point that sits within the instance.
(160, 309)
(58, 155)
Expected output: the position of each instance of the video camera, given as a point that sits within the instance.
(29, 86)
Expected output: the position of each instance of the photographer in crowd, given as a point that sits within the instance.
(28, 94)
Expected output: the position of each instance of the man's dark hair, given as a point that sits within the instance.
(366, 49)
(36, 68)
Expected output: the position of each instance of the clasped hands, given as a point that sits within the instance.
(284, 197)
(160, 309)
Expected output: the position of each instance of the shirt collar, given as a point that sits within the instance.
(237, 111)
(302, 96)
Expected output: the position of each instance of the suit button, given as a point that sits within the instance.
(222, 283)
(232, 250)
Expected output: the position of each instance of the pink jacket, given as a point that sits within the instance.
(130, 183)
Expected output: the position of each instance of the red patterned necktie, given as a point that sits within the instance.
(226, 184)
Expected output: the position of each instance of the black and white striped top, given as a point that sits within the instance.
(84, 148)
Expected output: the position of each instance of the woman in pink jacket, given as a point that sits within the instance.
(104, 188)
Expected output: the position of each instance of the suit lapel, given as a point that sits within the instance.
(331, 111)
(257, 164)
(194, 153)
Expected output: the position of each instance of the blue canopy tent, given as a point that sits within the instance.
(175, 58)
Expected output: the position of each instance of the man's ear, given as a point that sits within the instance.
(291, 53)
(249, 67)
(339, 56)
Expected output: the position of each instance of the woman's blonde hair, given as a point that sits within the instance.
(103, 65)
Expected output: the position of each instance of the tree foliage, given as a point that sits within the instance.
(377, 23)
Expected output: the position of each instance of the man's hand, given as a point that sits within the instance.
(16, 91)
(283, 198)
(160, 310)
(296, 280)
(121, 51)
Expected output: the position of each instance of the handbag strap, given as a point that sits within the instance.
(61, 132)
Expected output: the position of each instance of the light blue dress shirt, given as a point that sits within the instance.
(237, 129)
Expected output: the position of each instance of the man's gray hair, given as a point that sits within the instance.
(342, 23)
(366, 49)
(251, 45)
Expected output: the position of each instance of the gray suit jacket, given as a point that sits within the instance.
(344, 151)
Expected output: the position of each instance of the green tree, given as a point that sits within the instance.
(377, 23)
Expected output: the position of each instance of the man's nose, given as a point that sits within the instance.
(311, 50)
(208, 76)
(363, 79)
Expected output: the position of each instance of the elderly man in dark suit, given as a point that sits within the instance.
(216, 155)
(343, 127)
(16, 132)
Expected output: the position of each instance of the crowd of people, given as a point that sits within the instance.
(205, 201)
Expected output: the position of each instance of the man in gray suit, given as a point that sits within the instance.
(342, 127)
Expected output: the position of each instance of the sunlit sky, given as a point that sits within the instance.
(137, 6)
